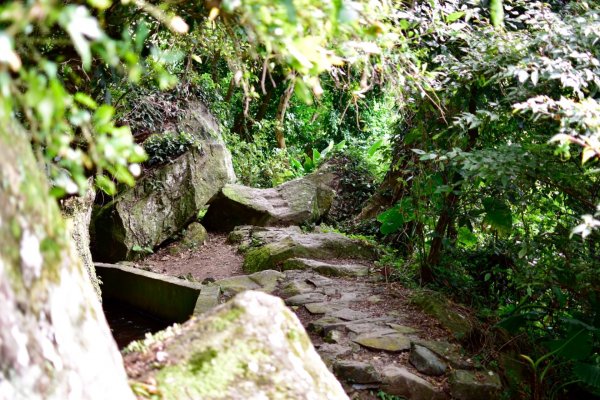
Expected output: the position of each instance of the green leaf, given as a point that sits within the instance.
(106, 184)
(589, 374)
(374, 147)
(497, 13)
(498, 215)
(576, 346)
(86, 100)
(466, 237)
(450, 18)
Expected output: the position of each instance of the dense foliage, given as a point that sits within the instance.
(477, 121)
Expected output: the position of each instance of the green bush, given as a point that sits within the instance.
(165, 147)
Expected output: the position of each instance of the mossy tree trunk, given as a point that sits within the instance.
(54, 340)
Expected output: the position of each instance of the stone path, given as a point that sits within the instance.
(368, 333)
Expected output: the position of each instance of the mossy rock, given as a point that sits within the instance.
(250, 347)
(268, 248)
(455, 320)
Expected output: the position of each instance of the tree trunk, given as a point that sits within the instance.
(449, 208)
(54, 340)
(284, 101)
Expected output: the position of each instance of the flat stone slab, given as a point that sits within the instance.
(207, 299)
(471, 385)
(448, 351)
(327, 269)
(349, 314)
(296, 287)
(267, 279)
(356, 372)
(237, 284)
(326, 324)
(321, 308)
(407, 330)
(400, 382)
(392, 342)
(426, 361)
(305, 298)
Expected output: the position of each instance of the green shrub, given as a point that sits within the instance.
(165, 147)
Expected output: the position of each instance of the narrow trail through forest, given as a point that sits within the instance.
(368, 331)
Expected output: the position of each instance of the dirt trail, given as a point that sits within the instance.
(216, 259)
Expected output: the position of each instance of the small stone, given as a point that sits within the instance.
(333, 336)
(356, 372)
(407, 330)
(267, 279)
(425, 361)
(320, 281)
(296, 287)
(305, 298)
(471, 385)
(326, 324)
(237, 284)
(349, 315)
(400, 382)
(374, 299)
(451, 353)
(393, 342)
(318, 308)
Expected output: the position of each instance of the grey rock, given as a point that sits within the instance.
(161, 203)
(403, 329)
(249, 348)
(194, 236)
(392, 342)
(318, 308)
(326, 324)
(327, 269)
(451, 353)
(207, 299)
(267, 279)
(305, 298)
(425, 361)
(400, 382)
(295, 287)
(267, 248)
(356, 372)
(291, 203)
(349, 315)
(471, 385)
(237, 284)
(77, 213)
(333, 336)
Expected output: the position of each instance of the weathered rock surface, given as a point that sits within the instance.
(384, 341)
(356, 372)
(167, 197)
(451, 353)
(161, 204)
(401, 382)
(425, 361)
(252, 347)
(442, 309)
(326, 269)
(295, 202)
(194, 236)
(77, 212)
(470, 385)
(266, 248)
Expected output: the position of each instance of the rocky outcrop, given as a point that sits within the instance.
(166, 198)
(470, 385)
(295, 202)
(266, 248)
(77, 212)
(252, 347)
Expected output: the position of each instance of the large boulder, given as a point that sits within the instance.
(77, 213)
(167, 197)
(292, 203)
(267, 248)
(252, 347)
